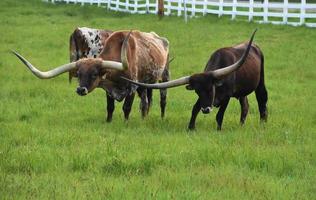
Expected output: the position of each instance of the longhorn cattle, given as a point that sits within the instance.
(230, 72)
(86, 43)
(135, 55)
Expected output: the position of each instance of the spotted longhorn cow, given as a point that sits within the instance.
(230, 72)
(135, 55)
(86, 43)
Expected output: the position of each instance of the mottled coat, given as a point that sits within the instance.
(86, 43)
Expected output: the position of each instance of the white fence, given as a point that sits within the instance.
(259, 11)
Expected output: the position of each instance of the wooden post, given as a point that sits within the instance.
(161, 8)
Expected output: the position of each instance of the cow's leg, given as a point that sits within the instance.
(163, 92)
(220, 113)
(149, 98)
(110, 107)
(244, 109)
(142, 92)
(262, 98)
(195, 111)
(127, 106)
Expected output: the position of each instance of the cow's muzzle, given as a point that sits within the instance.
(206, 110)
(82, 91)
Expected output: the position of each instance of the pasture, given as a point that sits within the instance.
(55, 144)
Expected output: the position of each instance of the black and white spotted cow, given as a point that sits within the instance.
(86, 43)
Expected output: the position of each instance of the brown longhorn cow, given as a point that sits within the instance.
(230, 72)
(135, 55)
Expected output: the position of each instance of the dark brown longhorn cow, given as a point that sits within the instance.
(230, 72)
(135, 55)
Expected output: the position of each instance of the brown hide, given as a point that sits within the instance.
(147, 56)
(245, 79)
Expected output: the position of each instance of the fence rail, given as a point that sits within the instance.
(295, 14)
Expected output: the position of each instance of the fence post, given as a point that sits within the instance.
(234, 9)
(265, 11)
(169, 9)
(204, 7)
(147, 6)
(250, 17)
(285, 11)
(156, 7)
(179, 7)
(220, 8)
(117, 5)
(126, 5)
(109, 4)
(302, 14)
(193, 8)
(135, 5)
(99, 3)
(185, 11)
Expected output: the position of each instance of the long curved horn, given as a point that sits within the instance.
(49, 74)
(112, 65)
(219, 73)
(124, 51)
(174, 83)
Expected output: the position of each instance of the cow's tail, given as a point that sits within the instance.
(261, 93)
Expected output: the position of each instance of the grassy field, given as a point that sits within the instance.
(55, 144)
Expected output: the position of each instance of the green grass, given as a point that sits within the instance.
(56, 144)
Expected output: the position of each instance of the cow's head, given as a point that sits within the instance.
(203, 84)
(90, 71)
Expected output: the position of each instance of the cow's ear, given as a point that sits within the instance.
(189, 87)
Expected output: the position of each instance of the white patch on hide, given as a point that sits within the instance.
(93, 39)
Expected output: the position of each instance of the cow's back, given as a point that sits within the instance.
(153, 51)
(147, 54)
